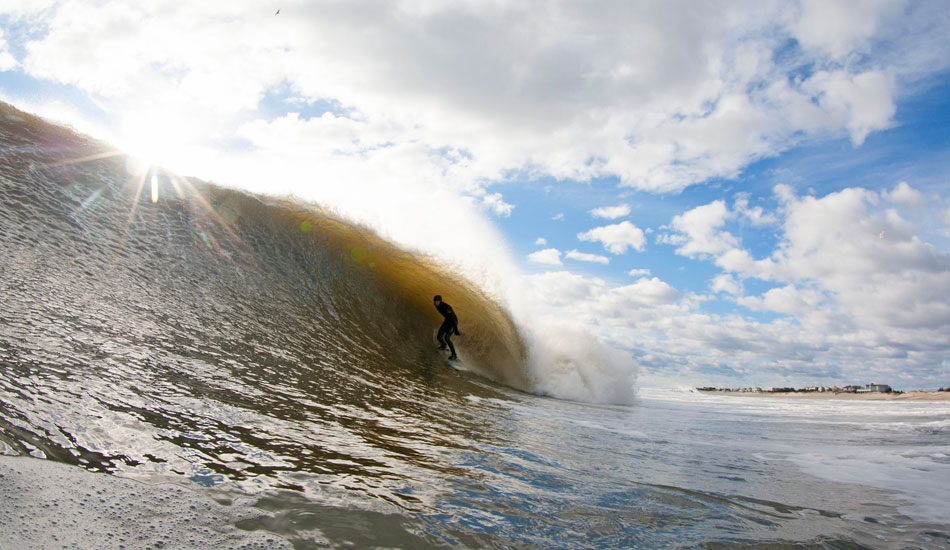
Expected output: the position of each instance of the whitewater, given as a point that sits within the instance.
(188, 366)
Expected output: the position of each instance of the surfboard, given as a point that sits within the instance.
(454, 363)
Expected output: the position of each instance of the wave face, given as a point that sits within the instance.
(232, 268)
(159, 323)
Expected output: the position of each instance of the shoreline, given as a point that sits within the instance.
(923, 396)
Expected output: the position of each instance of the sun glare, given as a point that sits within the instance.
(153, 139)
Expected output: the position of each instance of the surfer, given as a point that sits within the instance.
(449, 327)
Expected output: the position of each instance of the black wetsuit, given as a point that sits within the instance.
(449, 327)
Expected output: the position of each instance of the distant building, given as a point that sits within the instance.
(867, 388)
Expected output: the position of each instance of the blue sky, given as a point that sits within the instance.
(745, 194)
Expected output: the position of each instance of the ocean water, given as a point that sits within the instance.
(186, 366)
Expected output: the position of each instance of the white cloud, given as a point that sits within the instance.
(659, 97)
(862, 103)
(905, 194)
(725, 282)
(836, 241)
(593, 301)
(495, 203)
(584, 257)
(616, 238)
(611, 212)
(854, 284)
(854, 273)
(328, 135)
(838, 27)
(7, 61)
(738, 260)
(645, 292)
(561, 289)
(755, 215)
(559, 217)
(187, 56)
(698, 233)
(638, 272)
(541, 241)
(844, 300)
(549, 256)
(788, 299)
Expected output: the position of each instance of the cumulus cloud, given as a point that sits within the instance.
(327, 135)
(541, 241)
(548, 256)
(698, 231)
(561, 289)
(645, 292)
(725, 282)
(584, 257)
(905, 194)
(862, 103)
(638, 272)
(594, 300)
(756, 215)
(854, 271)
(839, 27)
(837, 295)
(660, 97)
(616, 238)
(853, 247)
(789, 299)
(850, 281)
(611, 212)
(7, 61)
(495, 203)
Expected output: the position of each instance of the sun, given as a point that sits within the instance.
(157, 139)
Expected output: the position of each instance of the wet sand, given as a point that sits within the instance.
(870, 396)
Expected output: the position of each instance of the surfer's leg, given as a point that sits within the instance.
(444, 331)
(448, 340)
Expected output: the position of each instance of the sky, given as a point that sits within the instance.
(728, 193)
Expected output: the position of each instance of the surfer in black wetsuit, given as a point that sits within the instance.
(449, 327)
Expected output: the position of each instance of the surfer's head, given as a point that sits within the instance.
(437, 299)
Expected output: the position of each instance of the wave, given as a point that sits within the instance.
(272, 265)
(180, 232)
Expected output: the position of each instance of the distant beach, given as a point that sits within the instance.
(864, 396)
